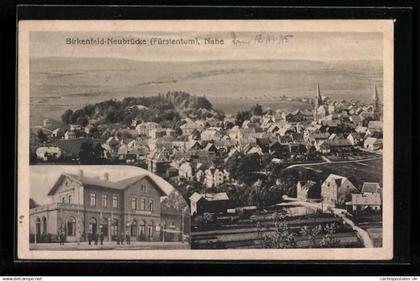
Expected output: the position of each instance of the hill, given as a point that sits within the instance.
(60, 83)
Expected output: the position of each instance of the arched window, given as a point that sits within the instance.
(44, 225)
(115, 227)
(133, 228)
(93, 225)
(71, 226)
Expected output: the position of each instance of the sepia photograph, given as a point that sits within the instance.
(79, 208)
(252, 137)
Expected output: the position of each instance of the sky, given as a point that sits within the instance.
(321, 46)
(43, 177)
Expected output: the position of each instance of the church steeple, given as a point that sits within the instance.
(318, 102)
(376, 106)
(318, 96)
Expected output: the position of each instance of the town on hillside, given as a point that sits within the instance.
(261, 178)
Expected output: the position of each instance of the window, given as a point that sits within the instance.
(104, 200)
(70, 199)
(115, 201)
(151, 205)
(142, 204)
(133, 203)
(63, 200)
(143, 187)
(93, 199)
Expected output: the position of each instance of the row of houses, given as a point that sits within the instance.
(334, 191)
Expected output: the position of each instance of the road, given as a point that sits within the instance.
(361, 233)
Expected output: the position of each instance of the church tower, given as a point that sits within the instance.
(376, 105)
(318, 103)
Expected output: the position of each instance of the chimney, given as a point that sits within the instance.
(106, 176)
(81, 173)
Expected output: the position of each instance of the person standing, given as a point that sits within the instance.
(127, 237)
(90, 237)
(122, 237)
(101, 234)
(95, 238)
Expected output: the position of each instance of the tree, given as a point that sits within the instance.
(86, 154)
(241, 117)
(202, 102)
(311, 233)
(329, 240)
(246, 168)
(82, 120)
(42, 137)
(257, 110)
(282, 237)
(66, 117)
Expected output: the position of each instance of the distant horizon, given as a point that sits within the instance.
(206, 60)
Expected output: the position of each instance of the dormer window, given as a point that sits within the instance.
(143, 187)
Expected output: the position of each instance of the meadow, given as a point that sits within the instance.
(57, 83)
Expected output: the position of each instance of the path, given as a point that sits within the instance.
(328, 161)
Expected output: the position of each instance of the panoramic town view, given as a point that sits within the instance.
(265, 154)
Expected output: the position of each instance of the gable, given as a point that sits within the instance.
(64, 183)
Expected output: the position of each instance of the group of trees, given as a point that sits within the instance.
(161, 108)
(242, 116)
(284, 237)
(90, 152)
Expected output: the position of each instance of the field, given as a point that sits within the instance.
(357, 172)
(246, 235)
(60, 83)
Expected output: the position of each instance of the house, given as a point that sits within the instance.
(69, 135)
(158, 162)
(75, 127)
(57, 133)
(363, 202)
(340, 145)
(323, 147)
(375, 125)
(208, 203)
(211, 148)
(186, 170)
(336, 190)
(308, 190)
(279, 150)
(355, 138)
(189, 127)
(145, 128)
(373, 144)
(157, 133)
(86, 205)
(215, 177)
(254, 149)
(46, 153)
